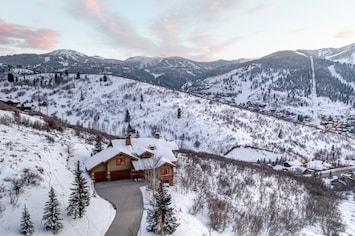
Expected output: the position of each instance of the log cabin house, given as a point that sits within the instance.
(131, 157)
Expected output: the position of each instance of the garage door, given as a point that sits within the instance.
(100, 176)
(122, 174)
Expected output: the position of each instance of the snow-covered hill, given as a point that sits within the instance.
(286, 83)
(344, 54)
(39, 155)
(204, 125)
(215, 196)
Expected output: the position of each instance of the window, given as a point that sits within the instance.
(164, 171)
(120, 161)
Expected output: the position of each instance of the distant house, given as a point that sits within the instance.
(131, 157)
(10, 102)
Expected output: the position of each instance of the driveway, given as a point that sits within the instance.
(127, 199)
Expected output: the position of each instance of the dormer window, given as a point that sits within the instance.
(164, 171)
(120, 161)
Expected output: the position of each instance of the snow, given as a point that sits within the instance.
(31, 148)
(252, 155)
(339, 77)
(216, 126)
(138, 146)
(198, 224)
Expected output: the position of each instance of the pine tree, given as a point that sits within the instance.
(160, 218)
(127, 118)
(179, 113)
(26, 226)
(80, 197)
(98, 145)
(52, 215)
(280, 135)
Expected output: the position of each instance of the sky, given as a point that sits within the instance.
(201, 30)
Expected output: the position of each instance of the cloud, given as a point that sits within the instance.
(112, 27)
(27, 37)
(170, 32)
(261, 8)
(301, 30)
(345, 34)
(214, 51)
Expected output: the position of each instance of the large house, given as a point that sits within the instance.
(131, 157)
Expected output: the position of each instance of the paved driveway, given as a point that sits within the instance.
(127, 198)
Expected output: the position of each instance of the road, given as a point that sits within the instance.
(127, 199)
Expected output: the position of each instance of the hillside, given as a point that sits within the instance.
(204, 125)
(311, 83)
(217, 196)
(34, 152)
(286, 83)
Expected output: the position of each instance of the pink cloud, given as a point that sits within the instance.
(27, 37)
(301, 30)
(345, 34)
(93, 6)
(261, 8)
(113, 28)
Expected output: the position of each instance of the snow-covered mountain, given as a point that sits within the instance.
(285, 83)
(204, 125)
(344, 54)
(311, 83)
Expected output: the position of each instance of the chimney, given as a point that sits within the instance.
(157, 135)
(128, 140)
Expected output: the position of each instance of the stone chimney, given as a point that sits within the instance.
(128, 140)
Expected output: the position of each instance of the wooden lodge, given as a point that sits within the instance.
(132, 157)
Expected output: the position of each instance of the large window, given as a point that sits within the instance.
(120, 161)
(164, 171)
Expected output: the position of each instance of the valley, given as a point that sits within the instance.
(283, 115)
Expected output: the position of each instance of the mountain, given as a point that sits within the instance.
(204, 125)
(312, 83)
(344, 54)
(172, 72)
(285, 83)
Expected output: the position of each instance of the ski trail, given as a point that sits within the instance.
(339, 77)
(313, 90)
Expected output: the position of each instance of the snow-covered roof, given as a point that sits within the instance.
(150, 163)
(162, 149)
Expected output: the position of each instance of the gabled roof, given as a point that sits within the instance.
(162, 149)
(150, 163)
(105, 155)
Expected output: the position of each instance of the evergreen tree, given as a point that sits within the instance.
(10, 77)
(142, 100)
(98, 145)
(160, 218)
(80, 197)
(51, 214)
(82, 95)
(280, 135)
(127, 118)
(26, 226)
(179, 113)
